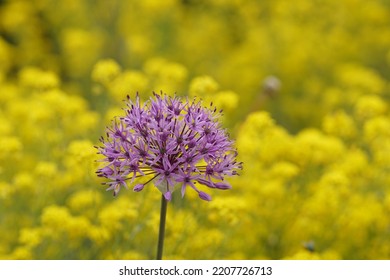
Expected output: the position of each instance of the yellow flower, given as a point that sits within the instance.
(340, 125)
(261, 141)
(85, 200)
(24, 181)
(10, 147)
(369, 106)
(201, 244)
(381, 155)
(304, 254)
(353, 163)
(203, 86)
(153, 6)
(128, 83)
(22, 253)
(139, 44)
(376, 129)
(226, 100)
(56, 218)
(133, 255)
(99, 235)
(260, 121)
(37, 79)
(46, 169)
(111, 113)
(359, 222)
(116, 216)
(338, 182)
(78, 228)
(80, 152)
(16, 14)
(284, 170)
(105, 71)
(80, 159)
(358, 77)
(228, 209)
(30, 237)
(313, 147)
(165, 75)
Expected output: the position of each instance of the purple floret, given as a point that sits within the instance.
(174, 143)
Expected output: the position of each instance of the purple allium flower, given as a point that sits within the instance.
(170, 142)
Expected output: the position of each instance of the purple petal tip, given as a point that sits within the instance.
(207, 183)
(168, 196)
(204, 196)
(222, 186)
(138, 187)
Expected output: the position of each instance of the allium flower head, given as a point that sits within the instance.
(170, 142)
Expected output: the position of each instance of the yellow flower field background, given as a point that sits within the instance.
(304, 86)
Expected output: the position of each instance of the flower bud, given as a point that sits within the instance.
(204, 196)
(138, 187)
(206, 183)
(168, 196)
(222, 186)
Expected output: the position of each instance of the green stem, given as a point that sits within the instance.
(161, 233)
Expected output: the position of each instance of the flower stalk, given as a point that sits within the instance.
(161, 232)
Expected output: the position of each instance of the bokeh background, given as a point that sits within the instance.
(304, 86)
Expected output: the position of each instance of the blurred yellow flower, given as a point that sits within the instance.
(105, 71)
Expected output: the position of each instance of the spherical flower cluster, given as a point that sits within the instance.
(171, 142)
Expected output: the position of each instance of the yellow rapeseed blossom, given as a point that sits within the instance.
(55, 217)
(376, 128)
(203, 86)
(25, 182)
(21, 253)
(313, 147)
(231, 211)
(340, 124)
(353, 163)
(226, 100)
(284, 170)
(115, 216)
(46, 169)
(105, 71)
(37, 79)
(10, 147)
(360, 78)
(369, 107)
(30, 237)
(80, 160)
(166, 76)
(16, 14)
(128, 83)
(85, 200)
(272, 140)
